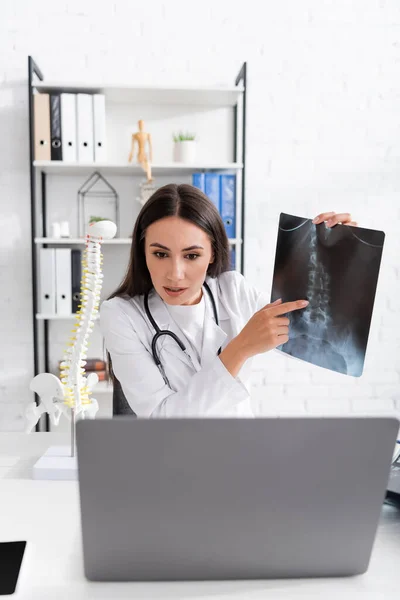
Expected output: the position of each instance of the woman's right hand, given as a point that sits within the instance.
(267, 328)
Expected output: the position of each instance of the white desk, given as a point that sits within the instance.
(46, 514)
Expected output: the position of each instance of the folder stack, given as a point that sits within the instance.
(59, 281)
(94, 365)
(70, 127)
(98, 366)
(221, 190)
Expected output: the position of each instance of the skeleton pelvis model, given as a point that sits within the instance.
(73, 390)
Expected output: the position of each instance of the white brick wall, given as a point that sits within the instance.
(323, 134)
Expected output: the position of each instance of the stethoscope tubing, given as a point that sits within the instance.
(161, 332)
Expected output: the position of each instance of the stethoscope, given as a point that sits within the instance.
(160, 332)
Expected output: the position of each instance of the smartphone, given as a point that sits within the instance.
(11, 554)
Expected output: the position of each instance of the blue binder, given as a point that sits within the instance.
(198, 181)
(228, 203)
(212, 188)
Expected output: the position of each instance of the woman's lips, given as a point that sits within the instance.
(174, 291)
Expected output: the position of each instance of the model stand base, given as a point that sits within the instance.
(57, 464)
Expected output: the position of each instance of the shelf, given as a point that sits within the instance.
(58, 167)
(124, 94)
(115, 241)
(218, 111)
(79, 241)
(50, 317)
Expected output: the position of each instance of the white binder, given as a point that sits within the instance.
(99, 123)
(63, 281)
(84, 118)
(47, 282)
(68, 127)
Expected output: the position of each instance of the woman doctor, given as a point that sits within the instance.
(182, 328)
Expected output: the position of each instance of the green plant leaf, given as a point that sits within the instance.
(94, 219)
(184, 137)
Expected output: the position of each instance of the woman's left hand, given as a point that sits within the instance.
(333, 219)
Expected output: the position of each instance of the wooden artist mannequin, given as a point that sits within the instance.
(142, 139)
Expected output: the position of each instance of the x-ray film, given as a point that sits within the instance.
(336, 270)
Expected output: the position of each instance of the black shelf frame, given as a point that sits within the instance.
(34, 71)
(241, 78)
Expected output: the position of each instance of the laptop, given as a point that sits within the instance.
(207, 499)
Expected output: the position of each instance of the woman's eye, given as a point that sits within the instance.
(192, 256)
(165, 255)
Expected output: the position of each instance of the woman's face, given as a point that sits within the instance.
(177, 255)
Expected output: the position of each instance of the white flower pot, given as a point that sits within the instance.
(185, 151)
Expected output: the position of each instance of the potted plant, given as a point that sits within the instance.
(184, 147)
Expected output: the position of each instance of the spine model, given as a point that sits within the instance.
(71, 395)
(76, 391)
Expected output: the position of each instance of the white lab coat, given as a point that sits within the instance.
(200, 389)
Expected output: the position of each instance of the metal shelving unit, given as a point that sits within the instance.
(65, 168)
(234, 97)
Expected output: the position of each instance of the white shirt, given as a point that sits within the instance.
(190, 319)
(200, 384)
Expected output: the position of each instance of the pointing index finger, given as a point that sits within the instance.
(287, 307)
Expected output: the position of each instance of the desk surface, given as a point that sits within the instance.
(46, 514)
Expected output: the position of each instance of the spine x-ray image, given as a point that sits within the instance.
(336, 270)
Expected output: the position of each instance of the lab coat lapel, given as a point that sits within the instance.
(213, 335)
